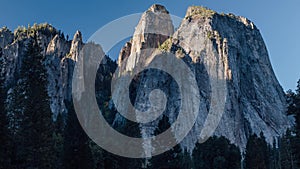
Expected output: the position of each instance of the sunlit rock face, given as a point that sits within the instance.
(215, 47)
(154, 27)
(60, 55)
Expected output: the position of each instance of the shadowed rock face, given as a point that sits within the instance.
(6, 37)
(61, 55)
(214, 46)
(224, 46)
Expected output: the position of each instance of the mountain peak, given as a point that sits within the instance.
(207, 38)
(6, 37)
(199, 11)
(154, 27)
(76, 45)
(158, 8)
(77, 36)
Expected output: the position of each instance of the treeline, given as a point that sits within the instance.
(285, 151)
(31, 139)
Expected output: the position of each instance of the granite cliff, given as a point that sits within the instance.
(224, 46)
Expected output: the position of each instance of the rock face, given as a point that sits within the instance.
(225, 47)
(153, 29)
(61, 56)
(6, 37)
(256, 101)
(213, 45)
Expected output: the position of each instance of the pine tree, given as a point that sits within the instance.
(4, 135)
(58, 140)
(14, 108)
(275, 158)
(294, 104)
(4, 132)
(215, 153)
(174, 158)
(77, 152)
(257, 156)
(34, 134)
(297, 117)
(287, 156)
(294, 109)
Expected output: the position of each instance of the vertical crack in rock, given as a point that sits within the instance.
(222, 46)
(214, 46)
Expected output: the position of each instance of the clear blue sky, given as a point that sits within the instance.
(277, 20)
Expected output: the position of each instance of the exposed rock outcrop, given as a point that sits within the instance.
(225, 46)
(6, 37)
(154, 27)
(214, 46)
(60, 58)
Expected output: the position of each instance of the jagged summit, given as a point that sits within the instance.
(60, 55)
(154, 27)
(45, 29)
(158, 8)
(77, 36)
(226, 46)
(76, 46)
(200, 12)
(194, 11)
(212, 44)
(4, 29)
(6, 37)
